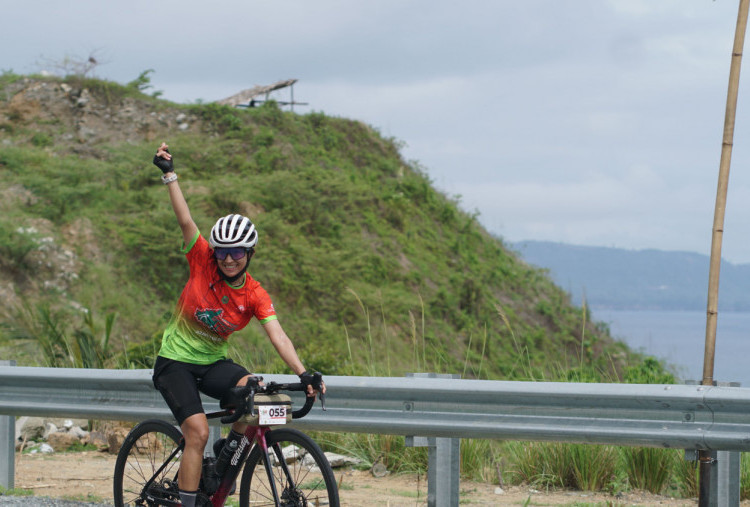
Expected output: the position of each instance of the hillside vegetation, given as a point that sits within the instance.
(372, 271)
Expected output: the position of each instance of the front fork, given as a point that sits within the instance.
(260, 439)
(256, 434)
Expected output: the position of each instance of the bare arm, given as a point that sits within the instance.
(179, 204)
(285, 348)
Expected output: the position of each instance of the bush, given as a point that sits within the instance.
(41, 140)
(648, 468)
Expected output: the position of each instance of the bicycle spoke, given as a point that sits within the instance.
(298, 482)
(148, 461)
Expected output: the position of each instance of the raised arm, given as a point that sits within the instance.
(163, 160)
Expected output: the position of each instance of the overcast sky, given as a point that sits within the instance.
(592, 122)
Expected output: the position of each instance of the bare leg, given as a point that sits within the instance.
(195, 431)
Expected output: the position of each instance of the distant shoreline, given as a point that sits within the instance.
(639, 280)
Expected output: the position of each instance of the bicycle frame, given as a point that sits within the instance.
(254, 435)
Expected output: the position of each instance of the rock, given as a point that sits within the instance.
(291, 454)
(33, 428)
(148, 445)
(115, 438)
(19, 424)
(78, 432)
(62, 441)
(44, 449)
(49, 428)
(379, 470)
(96, 438)
(499, 491)
(339, 460)
(66, 424)
(84, 98)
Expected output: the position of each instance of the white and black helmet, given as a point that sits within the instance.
(233, 231)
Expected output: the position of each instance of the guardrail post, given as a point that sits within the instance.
(7, 444)
(444, 460)
(214, 433)
(725, 469)
(725, 476)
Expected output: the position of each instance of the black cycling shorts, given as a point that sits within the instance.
(181, 383)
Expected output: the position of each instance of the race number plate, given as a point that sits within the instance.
(272, 414)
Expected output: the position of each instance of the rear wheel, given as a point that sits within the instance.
(299, 470)
(151, 445)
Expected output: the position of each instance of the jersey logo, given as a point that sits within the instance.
(213, 320)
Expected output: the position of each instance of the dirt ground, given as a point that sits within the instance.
(88, 476)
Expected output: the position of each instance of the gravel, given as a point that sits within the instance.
(43, 501)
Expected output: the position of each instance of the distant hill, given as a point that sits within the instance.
(637, 279)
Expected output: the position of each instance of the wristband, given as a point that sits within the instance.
(168, 179)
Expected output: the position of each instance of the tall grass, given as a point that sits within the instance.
(558, 465)
(648, 468)
(65, 338)
(744, 476)
(685, 476)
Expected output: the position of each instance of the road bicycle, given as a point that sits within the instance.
(283, 466)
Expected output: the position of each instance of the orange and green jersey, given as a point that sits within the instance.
(209, 310)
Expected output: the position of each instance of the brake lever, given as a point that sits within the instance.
(249, 403)
(317, 384)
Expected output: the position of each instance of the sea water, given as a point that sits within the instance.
(678, 338)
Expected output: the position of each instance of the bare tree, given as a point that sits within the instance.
(73, 65)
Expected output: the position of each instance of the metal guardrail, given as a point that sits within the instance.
(690, 417)
(676, 416)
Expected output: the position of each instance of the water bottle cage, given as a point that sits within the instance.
(209, 479)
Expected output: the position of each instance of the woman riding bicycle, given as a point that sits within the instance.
(218, 299)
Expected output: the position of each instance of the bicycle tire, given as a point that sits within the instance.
(310, 487)
(146, 448)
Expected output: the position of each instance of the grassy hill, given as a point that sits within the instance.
(372, 270)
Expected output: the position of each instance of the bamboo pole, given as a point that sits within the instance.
(712, 311)
(721, 194)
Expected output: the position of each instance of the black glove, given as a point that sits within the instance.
(311, 379)
(165, 165)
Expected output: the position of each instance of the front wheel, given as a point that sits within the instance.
(300, 473)
(152, 446)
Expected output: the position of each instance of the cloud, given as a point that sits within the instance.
(593, 122)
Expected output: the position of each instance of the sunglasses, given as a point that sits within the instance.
(236, 253)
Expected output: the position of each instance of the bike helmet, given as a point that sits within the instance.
(233, 231)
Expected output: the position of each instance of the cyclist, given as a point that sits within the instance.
(219, 298)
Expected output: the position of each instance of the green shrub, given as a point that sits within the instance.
(15, 243)
(41, 140)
